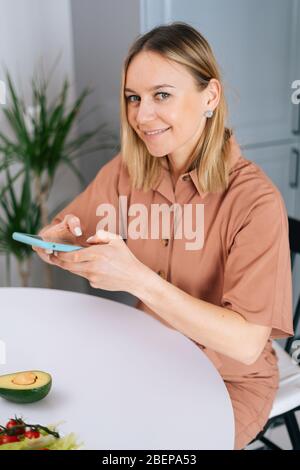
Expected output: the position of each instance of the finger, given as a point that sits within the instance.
(73, 224)
(70, 224)
(42, 250)
(75, 268)
(39, 251)
(44, 257)
(79, 256)
(103, 236)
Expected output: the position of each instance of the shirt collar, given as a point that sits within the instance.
(165, 185)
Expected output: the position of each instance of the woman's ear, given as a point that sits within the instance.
(213, 91)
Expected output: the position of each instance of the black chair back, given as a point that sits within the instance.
(294, 239)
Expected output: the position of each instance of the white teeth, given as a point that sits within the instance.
(156, 132)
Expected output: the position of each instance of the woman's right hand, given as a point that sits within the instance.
(63, 232)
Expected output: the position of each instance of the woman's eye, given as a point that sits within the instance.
(128, 98)
(163, 94)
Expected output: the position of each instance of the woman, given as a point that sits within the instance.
(231, 292)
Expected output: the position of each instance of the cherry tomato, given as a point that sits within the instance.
(32, 434)
(12, 423)
(8, 439)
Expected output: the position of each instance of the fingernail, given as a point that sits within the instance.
(78, 231)
(55, 253)
(49, 252)
(89, 239)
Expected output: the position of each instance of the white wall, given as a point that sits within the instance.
(103, 31)
(34, 32)
(31, 30)
(93, 37)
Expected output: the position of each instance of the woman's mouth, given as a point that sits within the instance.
(156, 133)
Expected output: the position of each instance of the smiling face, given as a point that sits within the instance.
(175, 107)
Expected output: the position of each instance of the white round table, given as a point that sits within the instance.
(121, 379)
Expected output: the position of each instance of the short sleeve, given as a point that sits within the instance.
(257, 277)
(103, 189)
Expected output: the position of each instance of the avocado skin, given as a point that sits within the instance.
(26, 396)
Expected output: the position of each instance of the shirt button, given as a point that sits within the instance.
(186, 178)
(162, 274)
(165, 241)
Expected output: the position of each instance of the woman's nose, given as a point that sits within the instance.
(145, 113)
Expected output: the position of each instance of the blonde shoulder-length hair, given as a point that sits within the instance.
(183, 44)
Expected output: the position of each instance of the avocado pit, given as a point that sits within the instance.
(24, 378)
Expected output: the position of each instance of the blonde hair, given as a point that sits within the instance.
(183, 44)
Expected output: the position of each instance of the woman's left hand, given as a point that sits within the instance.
(108, 264)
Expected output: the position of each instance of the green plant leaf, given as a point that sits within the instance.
(40, 138)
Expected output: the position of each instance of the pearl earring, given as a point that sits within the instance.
(208, 113)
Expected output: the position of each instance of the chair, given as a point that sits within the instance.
(287, 400)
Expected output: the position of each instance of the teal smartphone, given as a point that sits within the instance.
(36, 240)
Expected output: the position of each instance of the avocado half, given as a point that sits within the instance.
(25, 387)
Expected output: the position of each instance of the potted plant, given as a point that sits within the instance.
(19, 214)
(39, 139)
